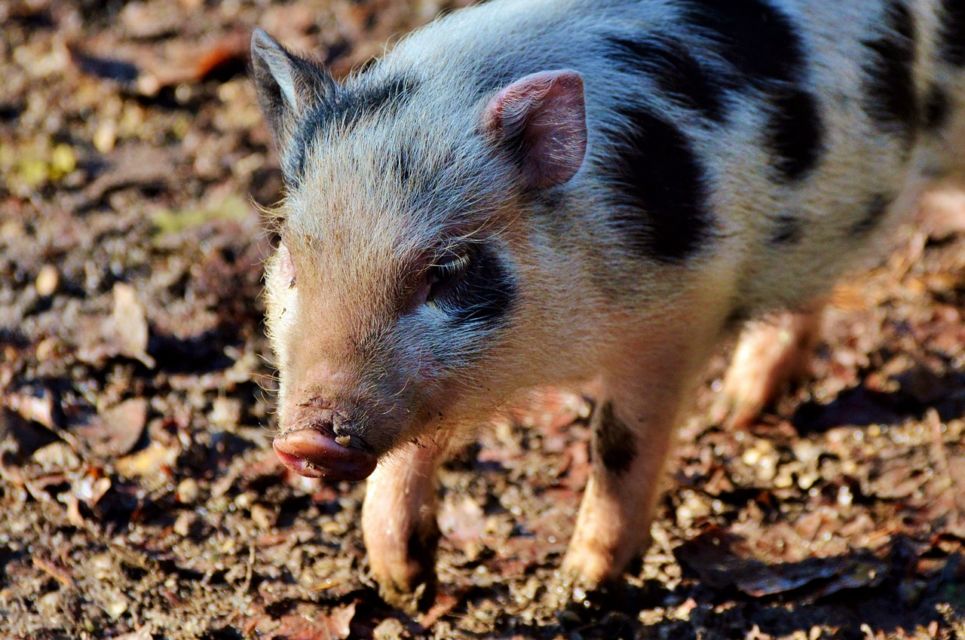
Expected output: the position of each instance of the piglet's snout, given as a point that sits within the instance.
(317, 446)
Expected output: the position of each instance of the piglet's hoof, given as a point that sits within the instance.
(575, 597)
(408, 582)
(411, 602)
(315, 454)
(568, 588)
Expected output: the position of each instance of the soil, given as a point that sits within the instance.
(139, 493)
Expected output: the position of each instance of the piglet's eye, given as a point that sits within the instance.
(446, 274)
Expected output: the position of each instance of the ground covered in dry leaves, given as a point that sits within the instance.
(138, 492)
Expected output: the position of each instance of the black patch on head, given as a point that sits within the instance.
(343, 108)
(674, 70)
(952, 33)
(937, 109)
(794, 134)
(662, 179)
(483, 294)
(613, 442)
(787, 229)
(874, 212)
(890, 97)
(753, 36)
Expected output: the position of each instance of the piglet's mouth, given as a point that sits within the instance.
(314, 453)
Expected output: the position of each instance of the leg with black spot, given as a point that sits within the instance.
(633, 427)
(399, 525)
(771, 355)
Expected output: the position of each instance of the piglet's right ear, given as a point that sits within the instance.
(287, 85)
(542, 119)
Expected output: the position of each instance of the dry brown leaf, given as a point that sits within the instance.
(463, 523)
(116, 431)
(130, 324)
(147, 462)
(310, 622)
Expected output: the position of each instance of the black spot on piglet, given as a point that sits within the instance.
(483, 294)
(795, 133)
(613, 442)
(937, 108)
(344, 107)
(953, 32)
(891, 100)
(873, 214)
(659, 175)
(787, 229)
(677, 73)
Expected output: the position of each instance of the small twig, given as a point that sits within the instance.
(56, 572)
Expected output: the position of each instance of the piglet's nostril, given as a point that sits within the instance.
(320, 414)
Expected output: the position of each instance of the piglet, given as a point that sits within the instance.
(561, 192)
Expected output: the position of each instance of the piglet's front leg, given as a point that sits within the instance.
(633, 427)
(399, 524)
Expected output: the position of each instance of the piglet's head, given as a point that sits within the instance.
(405, 293)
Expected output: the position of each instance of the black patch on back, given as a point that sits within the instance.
(757, 39)
(675, 71)
(343, 108)
(874, 212)
(787, 230)
(766, 53)
(952, 33)
(484, 294)
(794, 134)
(937, 109)
(659, 175)
(613, 442)
(890, 97)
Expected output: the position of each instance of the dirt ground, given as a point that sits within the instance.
(138, 491)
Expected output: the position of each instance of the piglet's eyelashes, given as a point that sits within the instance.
(446, 272)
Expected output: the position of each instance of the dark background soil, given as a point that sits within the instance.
(139, 497)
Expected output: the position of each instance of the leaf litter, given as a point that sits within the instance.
(140, 495)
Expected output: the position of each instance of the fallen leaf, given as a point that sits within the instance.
(133, 165)
(463, 523)
(314, 623)
(124, 333)
(147, 462)
(116, 431)
(443, 605)
(106, 67)
(716, 558)
(36, 407)
(130, 324)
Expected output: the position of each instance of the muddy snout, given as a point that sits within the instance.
(319, 445)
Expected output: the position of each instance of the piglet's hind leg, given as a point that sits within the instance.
(771, 355)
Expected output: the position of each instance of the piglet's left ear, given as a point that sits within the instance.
(542, 118)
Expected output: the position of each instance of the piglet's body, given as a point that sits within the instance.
(548, 192)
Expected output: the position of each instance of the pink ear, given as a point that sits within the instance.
(544, 115)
